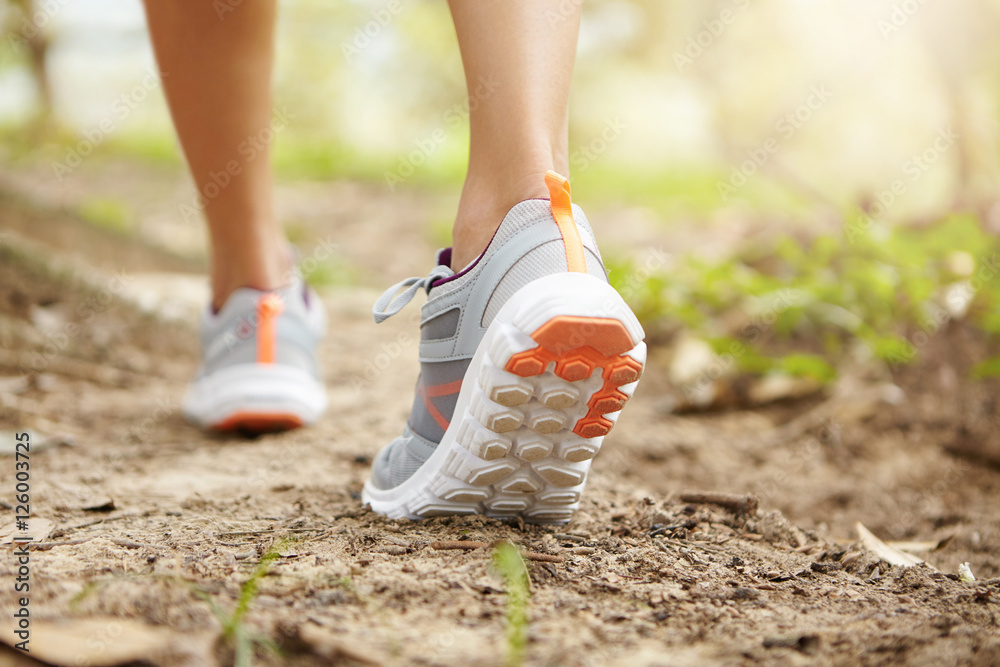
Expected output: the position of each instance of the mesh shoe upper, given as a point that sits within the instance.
(234, 334)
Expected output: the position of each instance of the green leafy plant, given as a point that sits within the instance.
(508, 562)
(234, 631)
(798, 308)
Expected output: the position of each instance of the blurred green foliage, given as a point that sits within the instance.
(335, 271)
(799, 307)
(105, 213)
(667, 103)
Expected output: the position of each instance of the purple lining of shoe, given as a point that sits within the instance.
(456, 276)
(444, 256)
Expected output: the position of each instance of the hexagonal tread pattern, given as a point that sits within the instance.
(578, 346)
(536, 419)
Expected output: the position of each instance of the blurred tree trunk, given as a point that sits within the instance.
(22, 30)
(961, 65)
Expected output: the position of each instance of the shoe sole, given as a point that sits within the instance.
(255, 398)
(547, 383)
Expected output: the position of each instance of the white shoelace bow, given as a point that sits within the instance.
(389, 303)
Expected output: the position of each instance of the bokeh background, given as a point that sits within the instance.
(686, 94)
(753, 144)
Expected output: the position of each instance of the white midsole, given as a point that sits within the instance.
(254, 388)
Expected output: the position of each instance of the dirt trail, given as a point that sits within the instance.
(157, 527)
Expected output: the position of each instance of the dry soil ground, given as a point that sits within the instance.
(148, 529)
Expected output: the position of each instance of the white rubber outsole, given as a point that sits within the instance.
(255, 397)
(546, 383)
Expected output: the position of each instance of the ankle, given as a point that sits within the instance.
(262, 271)
(482, 208)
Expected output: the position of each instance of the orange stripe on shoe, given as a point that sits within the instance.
(444, 389)
(431, 408)
(269, 307)
(562, 212)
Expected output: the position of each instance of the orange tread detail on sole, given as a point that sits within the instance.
(578, 345)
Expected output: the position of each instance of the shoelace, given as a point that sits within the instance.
(392, 301)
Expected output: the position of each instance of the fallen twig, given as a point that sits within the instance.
(570, 537)
(740, 504)
(705, 547)
(45, 546)
(542, 558)
(104, 519)
(129, 544)
(458, 544)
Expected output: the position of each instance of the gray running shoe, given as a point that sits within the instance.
(259, 371)
(527, 357)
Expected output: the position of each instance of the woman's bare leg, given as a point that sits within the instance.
(523, 51)
(217, 77)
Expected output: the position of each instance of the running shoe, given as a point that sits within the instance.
(527, 357)
(259, 371)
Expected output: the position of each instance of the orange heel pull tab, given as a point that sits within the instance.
(269, 307)
(562, 212)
